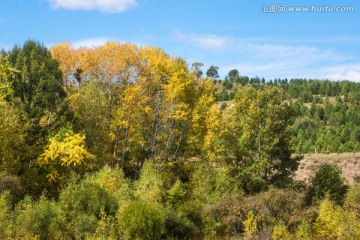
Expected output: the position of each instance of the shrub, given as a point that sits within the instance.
(178, 226)
(4, 215)
(212, 183)
(140, 221)
(150, 186)
(327, 180)
(45, 220)
(84, 204)
(352, 200)
(334, 223)
(12, 184)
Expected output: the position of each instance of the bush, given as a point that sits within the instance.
(4, 215)
(112, 180)
(224, 218)
(140, 221)
(352, 200)
(178, 226)
(150, 186)
(211, 183)
(12, 184)
(327, 181)
(335, 223)
(44, 220)
(84, 204)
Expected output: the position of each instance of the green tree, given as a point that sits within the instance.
(328, 180)
(196, 66)
(38, 86)
(257, 140)
(12, 138)
(212, 72)
(233, 75)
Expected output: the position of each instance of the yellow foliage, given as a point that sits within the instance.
(214, 123)
(6, 72)
(64, 151)
(280, 232)
(334, 223)
(250, 225)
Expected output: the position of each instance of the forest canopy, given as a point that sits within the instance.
(120, 141)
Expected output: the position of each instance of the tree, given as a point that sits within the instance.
(12, 138)
(233, 75)
(212, 72)
(196, 66)
(65, 149)
(256, 140)
(6, 76)
(91, 108)
(38, 86)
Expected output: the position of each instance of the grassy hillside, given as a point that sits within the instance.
(348, 162)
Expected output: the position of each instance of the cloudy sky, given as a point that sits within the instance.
(264, 38)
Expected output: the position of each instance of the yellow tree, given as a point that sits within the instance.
(131, 126)
(64, 53)
(6, 73)
(205, 95)
(66, 151)
(179, 96)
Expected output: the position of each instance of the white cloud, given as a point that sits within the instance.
(106, 6)
(343, 72)
(207, 41)
(90, 42)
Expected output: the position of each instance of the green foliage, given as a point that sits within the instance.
(150, 186)
(205, 171)
(280, 232)
(92, 108)
(178, 226)
(6, 75)
(224, 217)
(328, 181)
(304, 231)
(84, 205)
(113, 181)
(38, 87)
(257, 141)
(212, 72)
(211, 183)
(12, 138)
(44, 220)
(5, 221)
(250, 225)
(141, 221)
(12, 184)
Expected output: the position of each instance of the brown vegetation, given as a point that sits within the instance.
(348, 162)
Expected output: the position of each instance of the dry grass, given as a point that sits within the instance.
(348, 162)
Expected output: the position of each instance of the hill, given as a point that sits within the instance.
(348, 162)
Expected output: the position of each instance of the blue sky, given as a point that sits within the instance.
(241, 34)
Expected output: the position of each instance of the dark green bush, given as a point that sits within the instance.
(327, 181)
